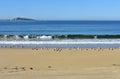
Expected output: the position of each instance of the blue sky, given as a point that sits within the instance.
(61, 9)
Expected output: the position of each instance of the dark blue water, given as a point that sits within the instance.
(60, 27)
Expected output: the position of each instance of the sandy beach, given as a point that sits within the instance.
(65, 63)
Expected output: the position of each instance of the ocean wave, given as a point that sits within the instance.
(49, 37)
(25, 37)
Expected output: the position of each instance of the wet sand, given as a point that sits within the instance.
(46, 63)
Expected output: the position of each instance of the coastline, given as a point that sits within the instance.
(59, 49)
(67, 43)
(52, 63)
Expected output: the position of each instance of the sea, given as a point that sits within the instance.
(60, 34)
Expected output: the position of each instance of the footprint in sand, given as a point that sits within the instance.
(31, 68)
(49, 67)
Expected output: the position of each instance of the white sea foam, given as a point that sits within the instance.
(85, 41)
(26, 37)
(45, 37)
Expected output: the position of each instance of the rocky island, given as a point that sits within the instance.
(17, 19)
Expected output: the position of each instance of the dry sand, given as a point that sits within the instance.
(92, 63)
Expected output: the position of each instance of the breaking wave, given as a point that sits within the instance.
(49, 37)
(60, 40)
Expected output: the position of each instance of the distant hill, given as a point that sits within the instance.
(19, 18)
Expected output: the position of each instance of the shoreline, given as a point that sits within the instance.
(67, 43)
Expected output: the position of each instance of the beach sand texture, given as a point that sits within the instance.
(48, 63)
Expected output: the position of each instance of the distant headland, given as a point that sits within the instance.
(17, 19)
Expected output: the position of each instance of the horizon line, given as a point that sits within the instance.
(64, 19)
